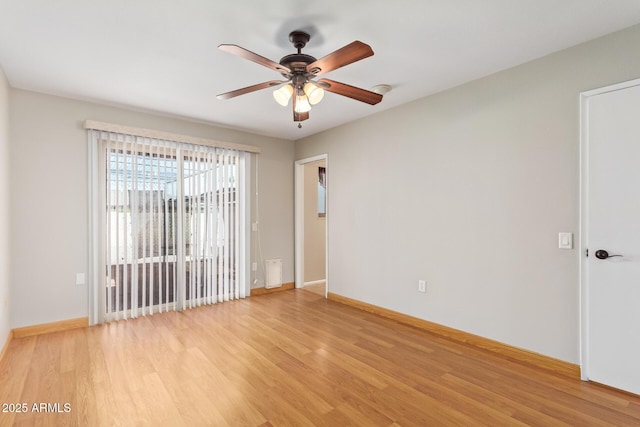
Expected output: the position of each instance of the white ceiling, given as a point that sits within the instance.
(162, 56)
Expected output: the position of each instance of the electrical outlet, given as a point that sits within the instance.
(422, 286)
(254, 266)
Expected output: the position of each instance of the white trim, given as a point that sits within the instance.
(167, 136)
(94, 239)
(299, 220)
(312, 159)
(611, 88)
(244, 194)
(299, 224)
(583, 238)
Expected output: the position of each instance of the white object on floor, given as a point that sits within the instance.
(273, 268)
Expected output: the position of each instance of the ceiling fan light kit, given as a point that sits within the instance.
(300, 70)
(314, 92)
(310, 94)
(283, 95)
(302, 104)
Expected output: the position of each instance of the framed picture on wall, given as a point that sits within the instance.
(322, 192)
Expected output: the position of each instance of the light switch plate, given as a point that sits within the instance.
(80, 279)
(565, 240)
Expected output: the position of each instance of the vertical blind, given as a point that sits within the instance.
(172, 225)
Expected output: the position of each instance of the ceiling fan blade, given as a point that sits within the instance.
(344, 56)
(248, 89)
(350, 91)
(247, 54)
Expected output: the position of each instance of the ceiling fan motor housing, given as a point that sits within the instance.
(297, 62)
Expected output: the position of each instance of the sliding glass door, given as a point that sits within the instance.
(172, 225)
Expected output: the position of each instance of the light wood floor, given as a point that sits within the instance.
(319, 288)
(287, 359)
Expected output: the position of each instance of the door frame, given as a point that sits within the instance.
(299, 220)
(584, 217)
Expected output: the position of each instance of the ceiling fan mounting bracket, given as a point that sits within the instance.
(299, 39)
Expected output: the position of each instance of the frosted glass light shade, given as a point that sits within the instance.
(283, 95)
(302, 104)
(314, 93)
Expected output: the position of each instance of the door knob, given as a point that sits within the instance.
(602, 254)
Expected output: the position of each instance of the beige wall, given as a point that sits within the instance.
(49, 198)
(5, 260)
(314, 226)
(468, 189)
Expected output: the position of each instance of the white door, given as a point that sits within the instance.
(611, 210)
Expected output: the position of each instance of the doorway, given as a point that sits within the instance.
(311, 229)
(609, 229)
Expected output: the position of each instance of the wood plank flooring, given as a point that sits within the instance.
(286, 359)
(319, 288)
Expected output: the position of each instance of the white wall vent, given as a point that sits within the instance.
(273, 268)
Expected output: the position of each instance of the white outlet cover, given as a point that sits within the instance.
(422, 286)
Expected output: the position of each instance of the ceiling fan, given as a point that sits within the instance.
(300, 71)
